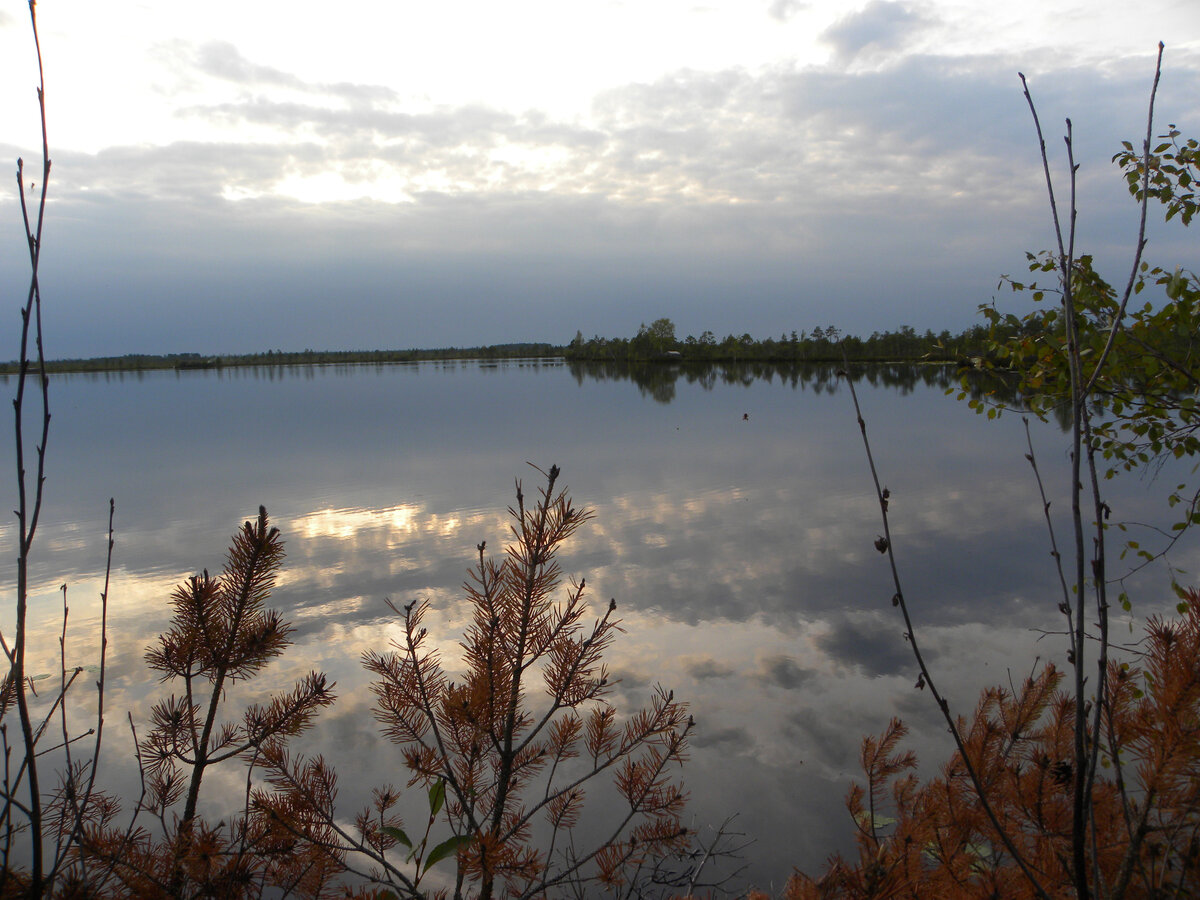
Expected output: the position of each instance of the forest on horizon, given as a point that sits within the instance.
(654, 342)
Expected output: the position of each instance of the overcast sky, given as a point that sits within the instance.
(242, 176)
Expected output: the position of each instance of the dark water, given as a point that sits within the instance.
(734, 522)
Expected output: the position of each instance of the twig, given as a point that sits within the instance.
(28, 513)
(926, 677)
(76, 837)
(1065, 606)
(1119, 318)
(1066, 262)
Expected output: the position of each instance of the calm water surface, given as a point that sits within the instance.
(734, 522)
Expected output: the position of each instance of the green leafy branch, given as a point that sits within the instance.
(447, 848)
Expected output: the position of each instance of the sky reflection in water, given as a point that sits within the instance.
(733, 524)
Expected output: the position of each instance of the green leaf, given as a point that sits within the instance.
(397, 834)
(1176, 284)
(437, 796)
(446, 848)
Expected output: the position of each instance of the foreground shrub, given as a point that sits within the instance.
(505, 763)
(933, 839)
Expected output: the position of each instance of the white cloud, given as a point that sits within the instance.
(783, 10)
(881, 28)
(221, 59)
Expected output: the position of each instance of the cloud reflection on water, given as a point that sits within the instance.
(739, 552)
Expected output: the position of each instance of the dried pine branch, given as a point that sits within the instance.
(506, 759)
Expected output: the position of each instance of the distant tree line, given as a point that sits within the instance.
(308, 357)
(822, 344)
(652, 343)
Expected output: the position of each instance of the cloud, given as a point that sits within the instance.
(734, 738)
(925, 136)
(222, 61)
(783, 10)
(783, 671)
(629, 682)
(707, 668)
(774, 184)
(879, 29)
(873, 646)
(824, 734)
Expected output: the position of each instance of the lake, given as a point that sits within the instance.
(734, 525)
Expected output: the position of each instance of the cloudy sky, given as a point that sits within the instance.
(234, 177)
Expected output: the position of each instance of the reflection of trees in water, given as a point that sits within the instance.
(657, 379)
